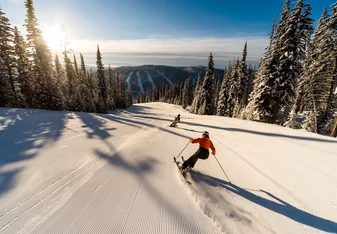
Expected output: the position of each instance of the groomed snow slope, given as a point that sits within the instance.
(63, 172)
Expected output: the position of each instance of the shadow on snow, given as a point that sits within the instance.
(22, 140)
(282, 208)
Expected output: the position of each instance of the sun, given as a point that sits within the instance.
(53, 37)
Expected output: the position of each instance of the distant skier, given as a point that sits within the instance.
(205, 144)
(176, 121)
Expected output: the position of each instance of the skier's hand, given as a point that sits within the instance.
(191, 139)
(213, 153)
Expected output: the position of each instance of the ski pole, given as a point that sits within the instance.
(182, 150)
(222, 169)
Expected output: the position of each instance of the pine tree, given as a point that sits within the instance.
(111, 91)
(86, 87)
(90, 92)
(102, 88)
(187, 95)
(315, 91)
(60, 78)
(47, 94)
(207, 97)
(8, 82)
(217, 92)
(22, 66)
(280, 69)
(222, 108)
(4, 85)
(71, 86)
(196, 100)
(234, 89)
(78, 103)
(241, 95)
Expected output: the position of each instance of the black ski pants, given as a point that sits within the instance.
(201, 153)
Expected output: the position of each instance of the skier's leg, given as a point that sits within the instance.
(192, 160)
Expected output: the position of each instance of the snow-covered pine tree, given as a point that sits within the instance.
(234, 89)
(324, 54)
(181, 89)
(187, 96)
(289, 51)
(260, 100)
(304, 91)
(310, 123)
(328, 112)
(196, 99)
(70, 74)
(82, 85)
(122, 91)
(241, 97)
(46, 93)
(224, 94)
(8, 82)
(102, 87)
(90, 91)
(5, 96)
(22, 66)
(111, 91)
(78, 101)
(60, 78)
(250, 85)
(207, 95)
(217, 91)
(129, 99)
(280, 68)
(315, 92)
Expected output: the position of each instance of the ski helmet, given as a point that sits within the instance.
(206, 134)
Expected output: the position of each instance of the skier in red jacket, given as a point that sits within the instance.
(205, 144)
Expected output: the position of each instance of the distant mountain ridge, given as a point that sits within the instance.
(141, 78)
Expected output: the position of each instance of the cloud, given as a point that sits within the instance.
(169, 51)
(228, 47)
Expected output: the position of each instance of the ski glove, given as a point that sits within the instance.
(213, 152)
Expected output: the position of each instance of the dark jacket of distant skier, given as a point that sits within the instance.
(176, 121)
(205, 144)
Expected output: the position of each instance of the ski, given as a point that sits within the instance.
(183, 173)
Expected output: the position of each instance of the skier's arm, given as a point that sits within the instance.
(193, 141)
(213, 149)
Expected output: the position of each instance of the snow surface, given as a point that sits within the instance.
(163, 75)
(64, 172)
(128, 81)
(140, 82)
(149, 77)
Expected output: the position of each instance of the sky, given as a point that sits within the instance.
(169, 32)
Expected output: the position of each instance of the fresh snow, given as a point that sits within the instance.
(140, 83)
(163, 75)
(64, 172)
(128, 81)
(149, 77)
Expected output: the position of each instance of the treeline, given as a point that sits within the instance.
(296, 77)
(30, 76)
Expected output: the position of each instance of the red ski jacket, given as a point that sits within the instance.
(205, 143)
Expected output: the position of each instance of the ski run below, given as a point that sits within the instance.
(65, 172)
(128, 81)
(149, 77)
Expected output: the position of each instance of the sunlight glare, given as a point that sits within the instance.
(54, 37)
